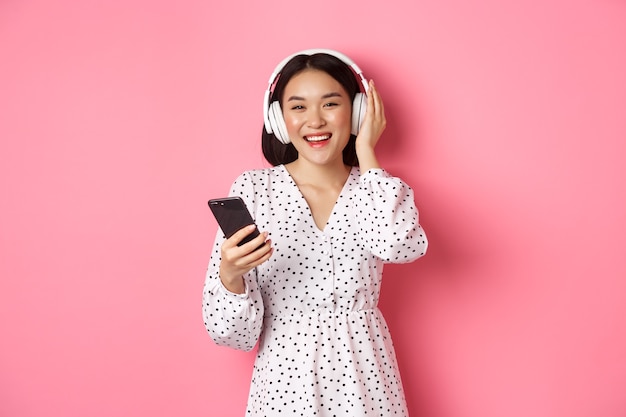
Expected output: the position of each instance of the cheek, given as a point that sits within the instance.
(348, 116)
(291, 120)
(344, 118)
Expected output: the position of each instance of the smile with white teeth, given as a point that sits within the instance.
(319, 138)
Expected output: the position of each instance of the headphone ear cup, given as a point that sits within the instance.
(277, 122)
(359, 106)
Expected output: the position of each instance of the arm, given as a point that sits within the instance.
(387, 218)
(232, 306)
(384, 206)
(232, 320)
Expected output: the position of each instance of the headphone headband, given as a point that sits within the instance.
(266, 101)
(310, 52)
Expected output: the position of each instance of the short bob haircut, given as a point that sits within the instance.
(274, 150)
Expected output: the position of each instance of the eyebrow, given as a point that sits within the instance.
(325, 96)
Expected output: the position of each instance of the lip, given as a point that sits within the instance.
(318, 137)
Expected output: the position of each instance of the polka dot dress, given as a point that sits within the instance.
(324, 348)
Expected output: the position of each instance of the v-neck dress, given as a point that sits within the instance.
(324, 348)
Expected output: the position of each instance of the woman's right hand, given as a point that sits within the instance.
(238, 260)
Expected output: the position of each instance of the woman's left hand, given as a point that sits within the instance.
(374, 123)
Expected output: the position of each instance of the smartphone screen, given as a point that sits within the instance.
(231, 215)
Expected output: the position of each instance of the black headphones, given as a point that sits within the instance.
(273, 114)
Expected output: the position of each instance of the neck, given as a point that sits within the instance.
(305, 172)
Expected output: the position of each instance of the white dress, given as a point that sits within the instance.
(324, 348)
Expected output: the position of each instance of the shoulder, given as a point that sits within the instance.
(256, 185)
(260, 176)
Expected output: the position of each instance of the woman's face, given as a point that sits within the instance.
(317, 112)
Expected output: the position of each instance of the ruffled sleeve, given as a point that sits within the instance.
(233, 320)
(387, 218)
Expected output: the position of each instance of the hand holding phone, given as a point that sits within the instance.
(232, 215)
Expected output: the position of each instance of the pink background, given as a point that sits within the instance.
(118, 120)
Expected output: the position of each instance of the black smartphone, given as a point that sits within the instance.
(232, 214)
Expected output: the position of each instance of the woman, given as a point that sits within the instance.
(309, 295)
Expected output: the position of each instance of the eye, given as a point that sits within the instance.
(297, 107)
(331, 104)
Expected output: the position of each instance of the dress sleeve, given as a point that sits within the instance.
(233, 320)
(387, 218)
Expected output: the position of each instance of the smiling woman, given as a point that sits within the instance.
(309, 296)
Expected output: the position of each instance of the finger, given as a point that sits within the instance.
(258, 255)
(252, 245)
(265, 257)
(370, 109)
(373, 99)
(371, 94)
(376, 94)
(261, 253)
(379, 109)
(239, 235)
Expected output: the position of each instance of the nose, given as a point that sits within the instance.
(315, 119)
